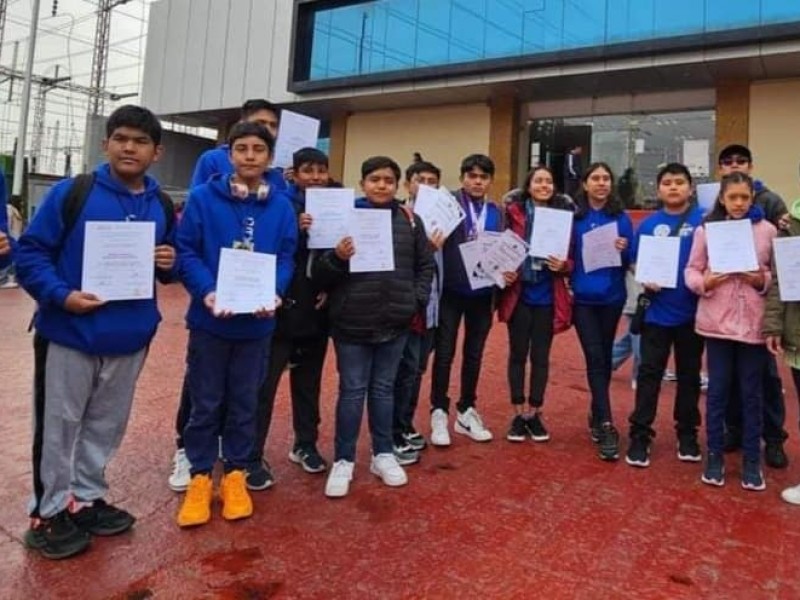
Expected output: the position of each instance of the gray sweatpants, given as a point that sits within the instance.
(82, 405)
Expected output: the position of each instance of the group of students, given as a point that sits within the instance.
(384, 325)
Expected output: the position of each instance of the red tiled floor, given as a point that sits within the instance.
(495, 520)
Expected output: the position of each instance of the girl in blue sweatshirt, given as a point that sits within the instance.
(228, 354)
(599, 296)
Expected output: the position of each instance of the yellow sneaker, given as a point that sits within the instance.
(236, 502)
(196, 507)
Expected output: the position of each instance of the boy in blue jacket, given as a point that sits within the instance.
(88, 353)
(228, 354)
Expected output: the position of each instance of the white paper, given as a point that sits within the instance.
(731, 247)
(787, 263)
(658, 259)
(552, 229)
(371, 230)
(471, 255)
(245, 281)
(695, 157)
(639, 146)
(296, 131)
(707, 194)
(599, 250)
(330, 211)
(119, 260)
(438, 209)
(504, 256)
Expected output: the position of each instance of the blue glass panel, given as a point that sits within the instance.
(729, 14)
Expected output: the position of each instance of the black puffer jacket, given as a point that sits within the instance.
(373, 308)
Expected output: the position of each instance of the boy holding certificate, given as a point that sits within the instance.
(88, 352)
(228, 352)
(370, 312)
(669, 323)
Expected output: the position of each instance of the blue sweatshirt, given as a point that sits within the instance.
(49, 273)
(213, 220)
(218, 162)
(5, 261)
(671, 307)
(603, 286)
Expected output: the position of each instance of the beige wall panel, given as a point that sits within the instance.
(443, 135)
(775, 134)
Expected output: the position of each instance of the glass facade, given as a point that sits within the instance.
(384, 36)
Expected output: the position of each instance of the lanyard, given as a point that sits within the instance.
(131, 213)
(474, 223)
(247, 219)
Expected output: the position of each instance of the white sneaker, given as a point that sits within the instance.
(469, 423)
(338, 484)
(439, 434)
(388, 469)
(181, 472)
(791, 495)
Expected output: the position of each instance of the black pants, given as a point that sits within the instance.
(530, 333)
(796, 377)
(184, 409)
(409, 378)
(477, 314)
(774, 407)
(305, 378)
(597, 326)
(656, 344)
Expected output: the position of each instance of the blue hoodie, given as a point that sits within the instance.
(604, 286)
(218, 162)
(671, 307)
(5, 261)
(212, 221)
(49, 274)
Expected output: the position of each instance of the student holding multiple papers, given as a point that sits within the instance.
(600, 292)
(782, 316)
(730, 313)
(88, 352)
(370, 314)
(230, 318)
(528, 305)
(668, 319)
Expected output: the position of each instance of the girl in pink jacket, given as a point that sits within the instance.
(729, 315)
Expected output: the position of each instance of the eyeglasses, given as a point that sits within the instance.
(731, 160)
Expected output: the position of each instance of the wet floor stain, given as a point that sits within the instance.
(232, 562)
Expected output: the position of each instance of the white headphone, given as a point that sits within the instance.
(241, 191)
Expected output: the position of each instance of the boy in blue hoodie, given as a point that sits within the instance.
(88, 353)
(228, 354)
(668, 324)
(459, 302)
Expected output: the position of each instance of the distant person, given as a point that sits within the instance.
(573, 171)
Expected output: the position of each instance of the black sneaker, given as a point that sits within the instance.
(57, 537)
(259, 476)
(536, 428)
(689, 449)
(732, 440)
(414, 439)
(752, 476)
(714, 473)
(638, 454)
(309, 459)
(775, 455)
(518, 431)
(405, 454)
(103, 519)
(609, 442)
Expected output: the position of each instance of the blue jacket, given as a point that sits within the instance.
(603, 286)
(212, 220)
(49, 272)
(5, 261)
(671, 307)
(218, 162)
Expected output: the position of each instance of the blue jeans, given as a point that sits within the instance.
(626, 346)
(366, 371)
(730, 361)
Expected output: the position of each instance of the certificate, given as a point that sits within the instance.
(707, 194)
(504, 256)
(471, 254)
(787, 263)
(658, 259)
(296, 131)
(731, 247)
(371, 230)
(119, 260)
(330, 212)
(438, 210)
(599, 250)
(245, 281)
(552, 230)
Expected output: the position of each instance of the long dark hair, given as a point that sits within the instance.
(556, 200)
(718, 213)
(613, 206)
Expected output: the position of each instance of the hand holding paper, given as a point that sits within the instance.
(731, 246)
(245, 283)
(329, 212)
(600, 248)
(438, 210)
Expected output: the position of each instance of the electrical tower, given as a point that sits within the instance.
(100, 55)
(39, 108)
(3, 8)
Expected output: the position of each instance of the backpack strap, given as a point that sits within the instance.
(409, 215)
(73, 204)
(169, 210)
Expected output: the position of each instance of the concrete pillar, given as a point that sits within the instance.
(733, 113)
(337, 149)
(504, 142)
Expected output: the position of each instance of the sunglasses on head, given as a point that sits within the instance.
(731, 160)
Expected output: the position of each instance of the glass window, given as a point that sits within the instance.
(385, 36)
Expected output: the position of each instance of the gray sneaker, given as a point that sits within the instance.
(405, 454)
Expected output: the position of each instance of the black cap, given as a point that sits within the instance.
(735, 150)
